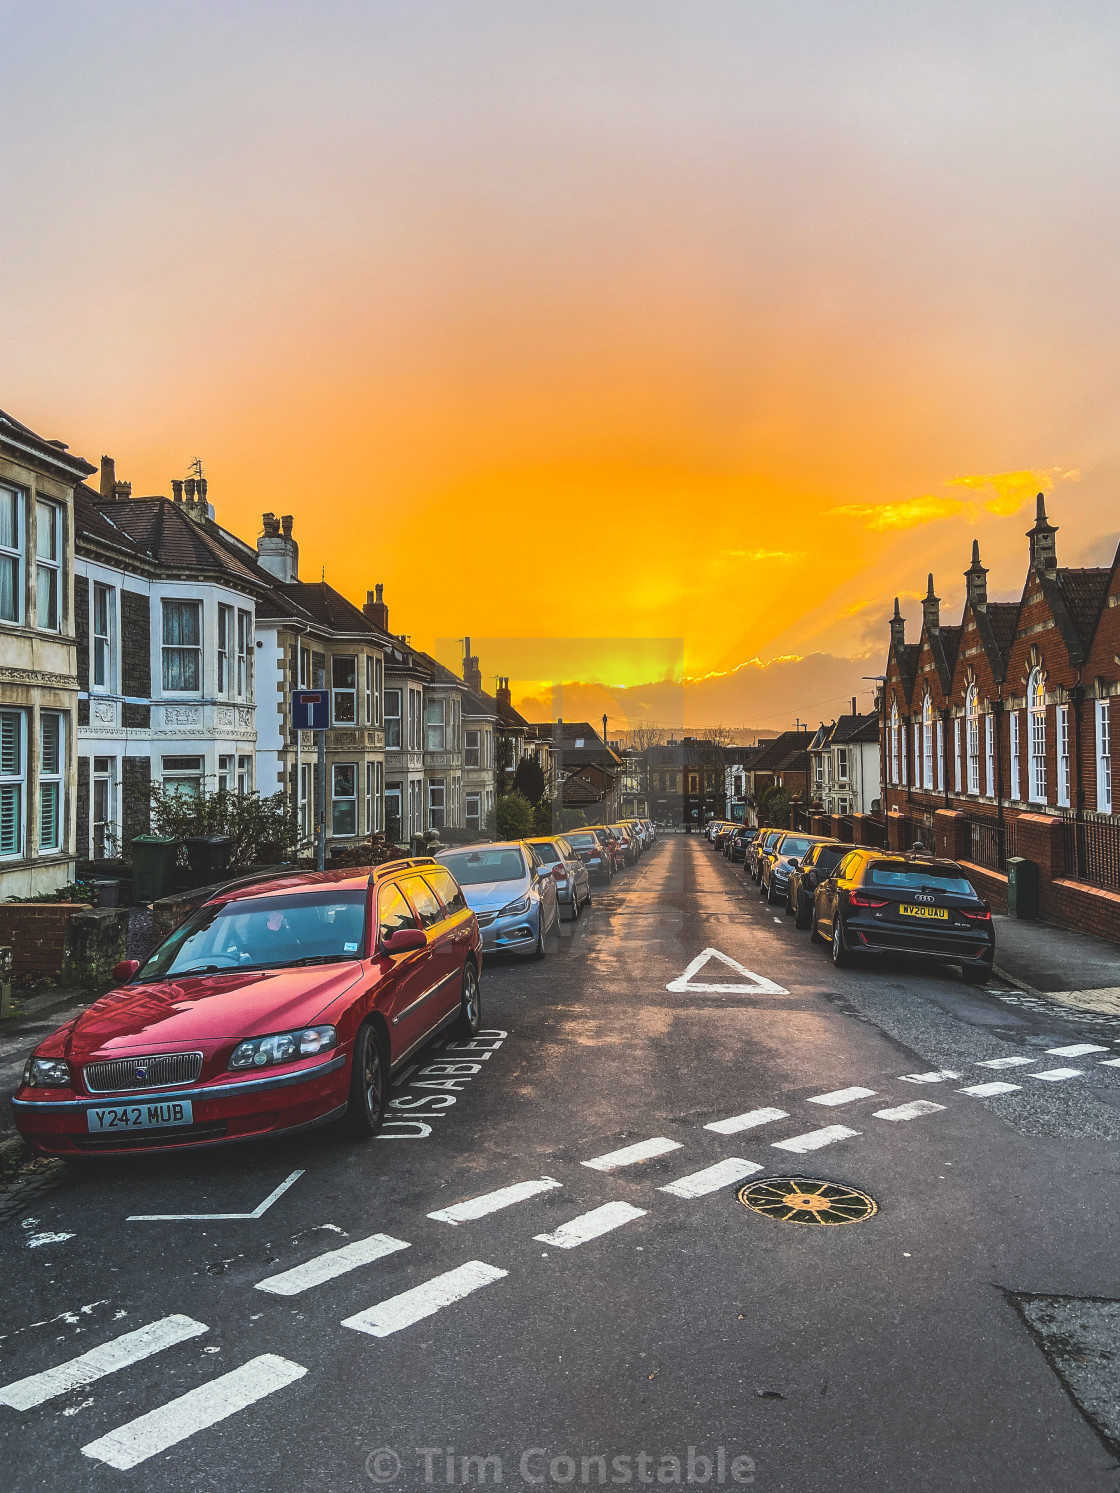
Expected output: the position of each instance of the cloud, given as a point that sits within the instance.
(1014, 489)
(906, 515)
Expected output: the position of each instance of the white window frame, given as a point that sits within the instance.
(244, 774)
(939, 759)
(15, 555)
(244, 654)
(990, 753)
(48, 566)
(378, 687)
(225, 771)
(916, 737)
(391, 719)
(958, 780)
(13, 781)
(435, 724)
(303, 790)
(101, 638)
(841, 764)
(396, 791)
(369, 689)
(415, 720)
(473, 818)
(927, 743)
(168, 649)
(304, 666)
(437, 803)
(103, 826)
(378, 792)
(52, 723)
(895, 777)
(343, 798)
(369, 798)
(1062, 721)
(182, 779)
(469, 748)
(224, 688)
(1103, 738)
(1036, 706)
(1014, 747)
(344, 694)
(972, 732)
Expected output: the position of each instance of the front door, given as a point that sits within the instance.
(441, 991)
(393, 812)
(411, 974)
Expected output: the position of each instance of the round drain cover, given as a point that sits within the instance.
(803, 1200)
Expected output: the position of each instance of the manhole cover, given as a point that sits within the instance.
(803, 1200)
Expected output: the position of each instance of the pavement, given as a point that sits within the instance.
(541, 1273)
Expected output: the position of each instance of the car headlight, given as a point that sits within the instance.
(46, 1073)
(283, 1047)
(514, 909)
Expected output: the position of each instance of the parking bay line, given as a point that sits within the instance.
(712, 1178)
(167, 1425)
(334, 1262)
(590, 1225)
(842, 1096)
(644, 1150)
(909, 1111)
(814, 1140)
(989, 1090)
(493, 1202)
(397, 1312)
(257, 1212)
(107, 1358)
(748, 1121)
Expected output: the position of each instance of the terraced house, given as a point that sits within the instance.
(998, 734)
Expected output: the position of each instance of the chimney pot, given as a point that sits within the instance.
(108, 477)
(375, 608)
(278, 553)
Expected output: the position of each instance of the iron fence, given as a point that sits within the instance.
(991, 841)
(1092, 849)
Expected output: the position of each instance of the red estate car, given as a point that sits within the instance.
(273, 1008)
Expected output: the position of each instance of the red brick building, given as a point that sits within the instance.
(1001, 736)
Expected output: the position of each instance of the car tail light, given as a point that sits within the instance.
(860, 899)
(560, 873)
(983, 916)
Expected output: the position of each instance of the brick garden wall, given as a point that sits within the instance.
(36, 932)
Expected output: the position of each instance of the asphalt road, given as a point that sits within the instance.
(691, 1340)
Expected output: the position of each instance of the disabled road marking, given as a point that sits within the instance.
(492, 1202)
(815, 1140)
(712, 1178)
(422, 1301)
(749, 1121)
(751, 984)
(334, 1262)
(644, 1150)
(257, 1212)
(591, 1225)
(118, 1353)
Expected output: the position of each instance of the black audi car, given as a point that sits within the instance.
(875, 902)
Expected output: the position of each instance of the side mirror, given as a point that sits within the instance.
(125, 970)
(404, 940)
(794, 864)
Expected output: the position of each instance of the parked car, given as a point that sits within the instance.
(516, 908)
(778, 862)
(758, 847)
(878, 903)
(736, 847)
(724, 833)
(610, 844)
(564, 865)
(818, 862)
(591, 851)
(274, 1007)
(637, 830)
(626, 838)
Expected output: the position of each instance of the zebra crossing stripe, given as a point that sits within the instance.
(590, 1225)
(814, 1140)
(1078, 1050)
(1055, 1075)
(325, 1267)
(909, 1111)
(422, 1301)
(167, 1425)
(492, 1202)
(643, 1150)
(107, 1358)
(987, 1090)
(843, 1096)
(1006, 1062)
(748, 1121)
(712, 1178)
(938, 1075)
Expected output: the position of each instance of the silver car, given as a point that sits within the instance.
(573, 885)
(510, 892)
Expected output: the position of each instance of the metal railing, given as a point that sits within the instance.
(1092, 849)
(990, 842)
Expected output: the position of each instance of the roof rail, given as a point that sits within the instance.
(387, 868)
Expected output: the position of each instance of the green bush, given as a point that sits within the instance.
(773, 808)
(262, 830)
(514, 816)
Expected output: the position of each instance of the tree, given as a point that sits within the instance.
(529, 778)
(262, 830)
(513, 819)
(503, 759)
(641, 737)
(773, 808)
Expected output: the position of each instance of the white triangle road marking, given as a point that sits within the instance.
(757, 984)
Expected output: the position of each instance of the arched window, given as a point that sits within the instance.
(895, 778)
(972, 721)
(1036, 706)
(927, 743)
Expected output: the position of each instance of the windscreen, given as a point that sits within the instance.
(918, 879)
(794, 845)
(470, 867)
(312, 927)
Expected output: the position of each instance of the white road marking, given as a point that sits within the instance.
(1110, 1063)
(938, 1075)
(643, 1150)
(1078, 1050)
(986, 1090)
(752, 1118)
(1006, 1062)
(257, 1212)
(492, 1202)
(422, 1301)
(843, 1096)
(167, 1425)
(117, 1353)
(909, 1111)
(712, 1178)
(1055, 1075)
(751, 984)
(778, 921)
(590, 1225)
(334, 1262)
(36, 1241)
(814, 1140)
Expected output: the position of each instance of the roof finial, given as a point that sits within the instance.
(929, 585)
(976, 552)
(1040, 506)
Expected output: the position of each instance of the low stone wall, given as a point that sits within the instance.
(64, 943)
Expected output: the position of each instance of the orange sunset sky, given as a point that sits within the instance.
(700, 330)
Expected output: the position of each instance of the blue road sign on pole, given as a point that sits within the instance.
(311, 709)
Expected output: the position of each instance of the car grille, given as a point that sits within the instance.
(140, 1140)
(143, 1073)
(484, 919)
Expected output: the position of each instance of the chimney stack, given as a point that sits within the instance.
(931, 608)
(375, 608)
(502, 694)
(122, 491)
(1044, 552)
(472, 674)
(177, 489)
(898, 627)
(854, 710)
(277, 552)
(976, 580)
(108, 478)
